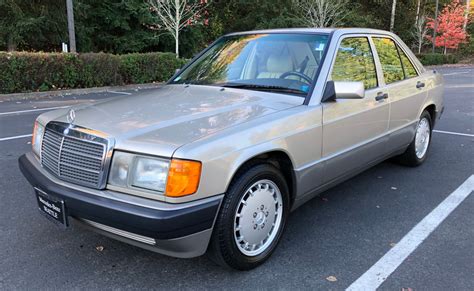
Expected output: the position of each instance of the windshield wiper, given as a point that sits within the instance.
(267, 88)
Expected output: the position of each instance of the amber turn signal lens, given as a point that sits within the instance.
(183, 178)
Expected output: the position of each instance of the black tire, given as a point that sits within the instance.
(409, 157)
(223, 249)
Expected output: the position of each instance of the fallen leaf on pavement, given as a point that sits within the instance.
(393, 188)
(99, 248)
(331, 278)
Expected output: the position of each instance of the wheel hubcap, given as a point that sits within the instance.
(258, 218)
(422, 138)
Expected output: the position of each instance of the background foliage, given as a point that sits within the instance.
(119, 26)
(116, 45)
(23, 71)
(437, 59)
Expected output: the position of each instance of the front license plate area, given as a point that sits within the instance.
(52, 207)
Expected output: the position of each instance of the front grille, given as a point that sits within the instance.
(73, 159)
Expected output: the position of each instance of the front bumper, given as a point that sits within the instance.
(179, 230)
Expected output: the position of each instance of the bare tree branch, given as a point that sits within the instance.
(420, 32)
(321, 13)
(173, 15)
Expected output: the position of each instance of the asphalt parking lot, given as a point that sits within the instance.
(330, 242)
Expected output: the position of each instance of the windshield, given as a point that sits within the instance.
(282, 63)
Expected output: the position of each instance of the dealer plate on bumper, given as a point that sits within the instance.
(52, 207)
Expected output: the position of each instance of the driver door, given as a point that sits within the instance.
(354, 130)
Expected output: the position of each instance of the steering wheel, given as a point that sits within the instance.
(298, 74)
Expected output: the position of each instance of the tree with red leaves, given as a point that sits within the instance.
(450, 32)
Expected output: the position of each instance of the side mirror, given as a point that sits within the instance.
(343, 90)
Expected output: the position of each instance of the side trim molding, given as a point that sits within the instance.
(311, 164)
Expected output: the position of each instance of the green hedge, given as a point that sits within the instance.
(25, 72)
(437, 59)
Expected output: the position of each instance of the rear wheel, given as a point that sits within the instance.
(252, 218)
(417, 151)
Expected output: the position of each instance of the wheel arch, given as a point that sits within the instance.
(278, 158)
(431, 108)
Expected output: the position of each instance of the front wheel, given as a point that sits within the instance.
(417, 151)
(252, 218)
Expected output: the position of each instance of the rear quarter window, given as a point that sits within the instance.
(408, 67)
(389, 59)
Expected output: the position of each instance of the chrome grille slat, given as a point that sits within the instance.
(82, 149)
(78, 164)
(86, 145)
(63, 164)
(73, 159)
(53, 167)
(65, 150)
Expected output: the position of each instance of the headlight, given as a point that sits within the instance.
(121, 164)
(173, 178)
(129, 170)
(38, 131)
(150, 174)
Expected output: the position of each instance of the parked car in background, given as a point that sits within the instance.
(253, 127)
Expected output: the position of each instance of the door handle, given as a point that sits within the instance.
(381, 96)
(420, 84)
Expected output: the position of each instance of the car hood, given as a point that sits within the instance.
(158, 121)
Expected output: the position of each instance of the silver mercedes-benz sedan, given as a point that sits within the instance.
(251, 128)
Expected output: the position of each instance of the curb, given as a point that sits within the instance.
(458, 65)
(81, 91)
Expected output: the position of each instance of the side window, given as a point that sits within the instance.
(355, 62)
(389, 59)
(410, 71)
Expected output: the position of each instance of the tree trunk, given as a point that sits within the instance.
(466, 15)
(70, 26)
(176, 42)
(435, 29)
(392, 17)
(11, 45)
(176, 28)
(418, 11)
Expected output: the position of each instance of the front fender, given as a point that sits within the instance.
(295, 132)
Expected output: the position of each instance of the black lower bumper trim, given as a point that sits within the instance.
(158, 224)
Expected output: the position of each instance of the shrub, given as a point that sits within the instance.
(466, 49)
(141, 68)
(437, 59)
(24, 72)
(99, 69)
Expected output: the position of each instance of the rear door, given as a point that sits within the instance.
(354, 130)
(406, 89)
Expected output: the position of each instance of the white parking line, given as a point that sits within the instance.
(117, 92)
(453, 133)
(31, 110)
(459, 86)
(456, 73)
(379, 272)
(14, 137)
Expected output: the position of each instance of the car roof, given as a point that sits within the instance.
(341, 30)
